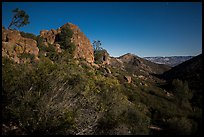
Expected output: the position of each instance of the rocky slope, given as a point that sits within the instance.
(134, 67)
(170, 61)
(137, 64)
(134, 64)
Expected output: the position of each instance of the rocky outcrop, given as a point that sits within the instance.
(83, 49)
(13, 45)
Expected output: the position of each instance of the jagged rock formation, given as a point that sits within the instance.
(13, 44)
(83, 49)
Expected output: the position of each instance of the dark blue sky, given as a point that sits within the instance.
(144, 29)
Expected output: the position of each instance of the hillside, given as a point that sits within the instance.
(55, 84)
(191, 71)
(170, 61)
(137, 64)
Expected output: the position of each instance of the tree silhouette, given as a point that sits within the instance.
(96, 45)
(19, 19)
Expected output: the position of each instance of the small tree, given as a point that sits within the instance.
(19, 19)
(96, 45)
(99, 52)
(182, 92)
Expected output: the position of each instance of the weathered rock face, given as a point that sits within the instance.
(83, 49)
(13, 44)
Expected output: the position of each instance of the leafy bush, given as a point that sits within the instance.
(65, 39)
(71, 48)
(39, 40)
(138, 122)
(51, 52)
(27, 55)
(106, 124)
(182, 92)
(28, 35)
(34, 103)
(41, 113)
(179, 126)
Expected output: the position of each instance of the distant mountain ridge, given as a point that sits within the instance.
(170, 60)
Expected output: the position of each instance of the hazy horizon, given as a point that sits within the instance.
(146, 29)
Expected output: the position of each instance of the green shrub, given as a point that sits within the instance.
(39, 113)
(179, 126)
(28, 35)
(71, 48)
(33, 101)
(65, 39)
(39, 40)
(52, 53)
(106, 124)
(27, 55)
(137, 121)
(182, 92)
